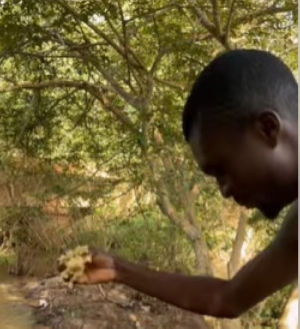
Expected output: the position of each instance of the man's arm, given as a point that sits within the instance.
(268, 272)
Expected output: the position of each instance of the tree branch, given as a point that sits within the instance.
(50, 84)
(114, 84)
(157, 12)
(123, 24)
(224, 38)
(118, 113)
(234, 262)
(167, 209)
(86, 55)
(170, 84)
(135, 62)
(203, 19)
(216, 14)
(96, 91)
(289, 50)
(211, 28)
(123, 39)
(264, 12)
(157, 61)
(119, 90)
(228, 25)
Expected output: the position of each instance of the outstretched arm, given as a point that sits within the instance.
(268, 272)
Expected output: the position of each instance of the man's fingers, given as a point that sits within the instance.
(101, 261)
(61, 267)
(93, 277)
(101, 276)
(99, 268)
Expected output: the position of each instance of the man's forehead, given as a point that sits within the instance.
(210, 145)
(199, 146)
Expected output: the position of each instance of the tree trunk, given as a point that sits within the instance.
(289, 318)
(203, 264)
(234, 265)
(231, 324)
(235, 259)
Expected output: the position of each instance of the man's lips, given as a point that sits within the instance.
(243, 202)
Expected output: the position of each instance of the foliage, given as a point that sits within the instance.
(99, 86)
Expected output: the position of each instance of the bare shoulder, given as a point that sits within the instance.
(289, 230)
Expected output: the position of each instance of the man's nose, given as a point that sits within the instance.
(225, 189)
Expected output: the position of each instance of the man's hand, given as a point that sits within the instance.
(100, 270)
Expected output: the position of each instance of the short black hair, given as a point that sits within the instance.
(236, 86)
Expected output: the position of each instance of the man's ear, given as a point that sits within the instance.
(268, 126)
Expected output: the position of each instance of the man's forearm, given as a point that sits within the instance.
(176, 289)
(269, 271)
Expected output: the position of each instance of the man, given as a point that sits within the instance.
(241, 122)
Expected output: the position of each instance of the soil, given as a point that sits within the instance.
(52, 304)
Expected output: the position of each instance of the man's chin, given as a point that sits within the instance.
(270, 212)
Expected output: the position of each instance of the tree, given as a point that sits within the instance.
(96, 77)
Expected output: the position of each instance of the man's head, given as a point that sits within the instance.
(241, 123)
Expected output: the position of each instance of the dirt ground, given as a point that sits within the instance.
(54, 305)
